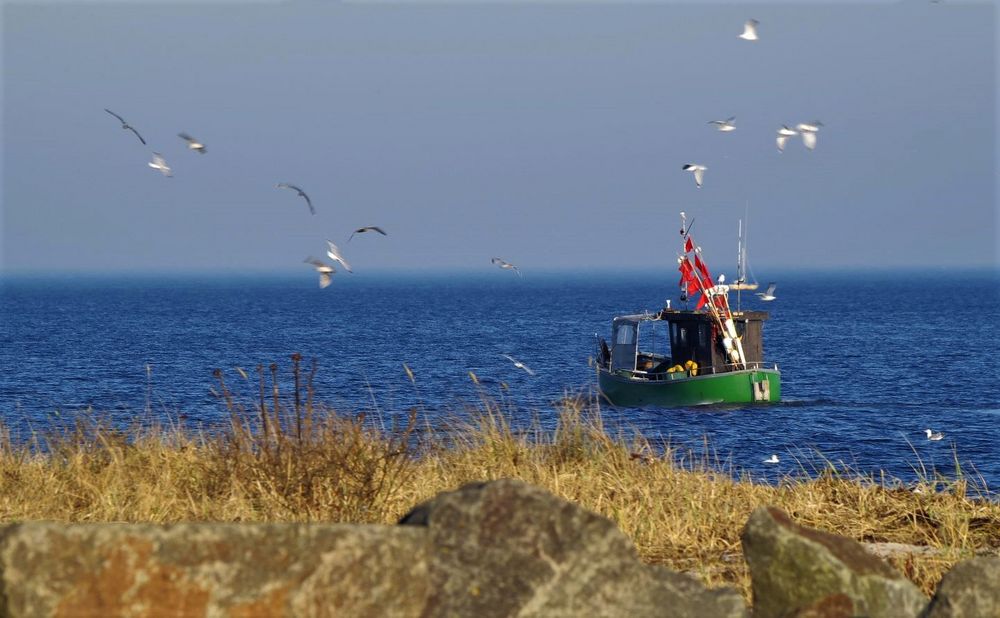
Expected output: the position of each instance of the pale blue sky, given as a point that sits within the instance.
(551, 135)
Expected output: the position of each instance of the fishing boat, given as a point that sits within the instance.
(683, 357)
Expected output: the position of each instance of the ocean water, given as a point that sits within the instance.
(868, 361)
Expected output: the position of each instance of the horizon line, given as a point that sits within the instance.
(476, 272)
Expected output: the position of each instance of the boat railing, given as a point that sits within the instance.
(701, 371)
(734, 367)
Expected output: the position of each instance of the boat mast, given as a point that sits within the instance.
(740, 275)
(720, 312)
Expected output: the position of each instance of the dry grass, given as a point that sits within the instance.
(284, 460)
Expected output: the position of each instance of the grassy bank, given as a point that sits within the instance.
(296, 461)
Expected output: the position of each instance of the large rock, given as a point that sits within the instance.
(212, 569)
(496, 549)
(971, 589)
(506, 548)
(801, 571)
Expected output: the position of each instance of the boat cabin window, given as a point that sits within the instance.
(678, 335)
(624, 349)
(625, 334)
(654, 339)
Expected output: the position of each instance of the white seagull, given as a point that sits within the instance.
(192, 143)
(367, 228)
(519, 364)
(783, 134)
(724, 125)
(768, 295)
(699, 172)
(334, 253)
(160, 164)
(934, 436)
(325, 271)
(505, 265)
(773, 459)
(126, 125)
(285, 185)
(808, 132)
(750, 30)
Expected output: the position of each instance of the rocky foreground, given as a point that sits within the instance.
(503, 548)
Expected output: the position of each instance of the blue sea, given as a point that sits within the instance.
(868, 360)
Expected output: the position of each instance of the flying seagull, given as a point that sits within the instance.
(783, 134)
(750, 30)
(724, 125)
(334, 253)
(367, 228)
(192, 143)
(808, 132)
(160, 164)
(325, 271)
(768, 295)
(519, 364)
(773, 459)
(126, 125)
(285, 185)
(699, 172)
(934, 436)
(505, 265)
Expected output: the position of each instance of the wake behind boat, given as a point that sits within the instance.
(682, 357)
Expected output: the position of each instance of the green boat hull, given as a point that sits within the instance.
(679, 390)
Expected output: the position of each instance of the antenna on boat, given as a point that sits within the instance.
(739, 266)
(742, 263)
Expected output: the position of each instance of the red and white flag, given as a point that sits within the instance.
(688, 280)
(706, 276)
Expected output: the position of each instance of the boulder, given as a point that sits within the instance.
(492, 549)
(801, 571)
(506, 548)
(971, 589)
(49, 569)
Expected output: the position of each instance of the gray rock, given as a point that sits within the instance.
(495, 549)
(51, 569)
(892, 550)
(506, 548)
(971, 589)
(801, 571)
